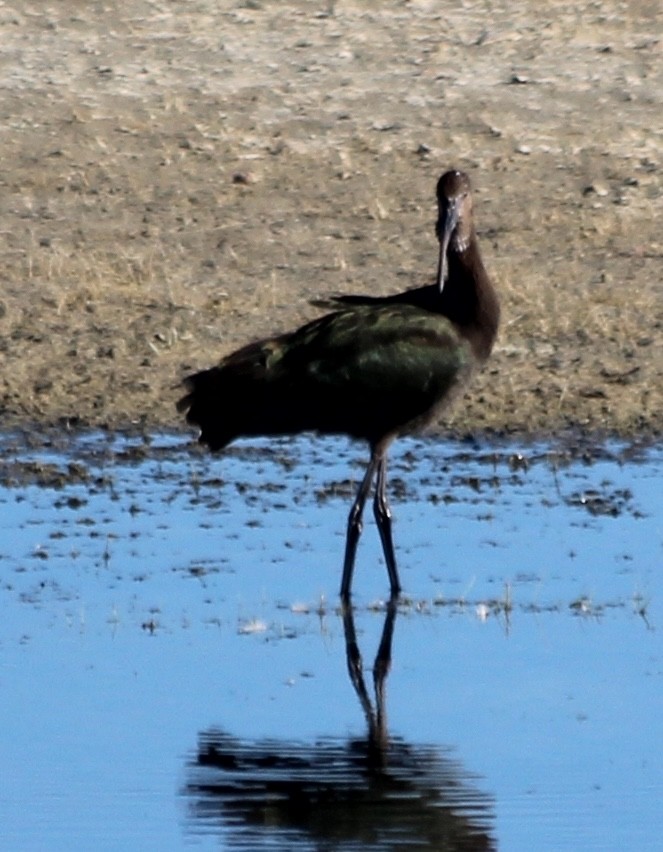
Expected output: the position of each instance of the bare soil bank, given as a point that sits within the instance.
(178, 178)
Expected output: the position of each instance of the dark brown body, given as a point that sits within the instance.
(367, 372)
(374, 369)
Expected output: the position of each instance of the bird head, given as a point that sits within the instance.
(454, 221)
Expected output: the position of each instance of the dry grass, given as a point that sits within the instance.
(190, 177)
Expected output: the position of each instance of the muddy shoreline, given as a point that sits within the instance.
(50, 457)
(179, 180)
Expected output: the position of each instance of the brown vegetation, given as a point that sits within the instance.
(181, 177)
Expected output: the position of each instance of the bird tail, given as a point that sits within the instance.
(234, 398)
(205, 405)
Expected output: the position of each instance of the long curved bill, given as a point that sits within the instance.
(446, 224)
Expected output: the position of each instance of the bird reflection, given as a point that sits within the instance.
(376, 720)
(374, 792)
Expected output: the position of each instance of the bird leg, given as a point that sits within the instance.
(355, 526)
(383, 519)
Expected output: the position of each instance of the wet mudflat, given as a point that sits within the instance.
(174, 663)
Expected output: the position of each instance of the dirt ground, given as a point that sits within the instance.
(181, 176)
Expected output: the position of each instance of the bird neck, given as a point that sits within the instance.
(469, 298)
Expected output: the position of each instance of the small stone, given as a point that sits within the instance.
(597, 188)
(243, 178)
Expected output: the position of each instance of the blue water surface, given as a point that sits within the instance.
(173, 665)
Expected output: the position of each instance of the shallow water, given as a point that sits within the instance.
(174, 666)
